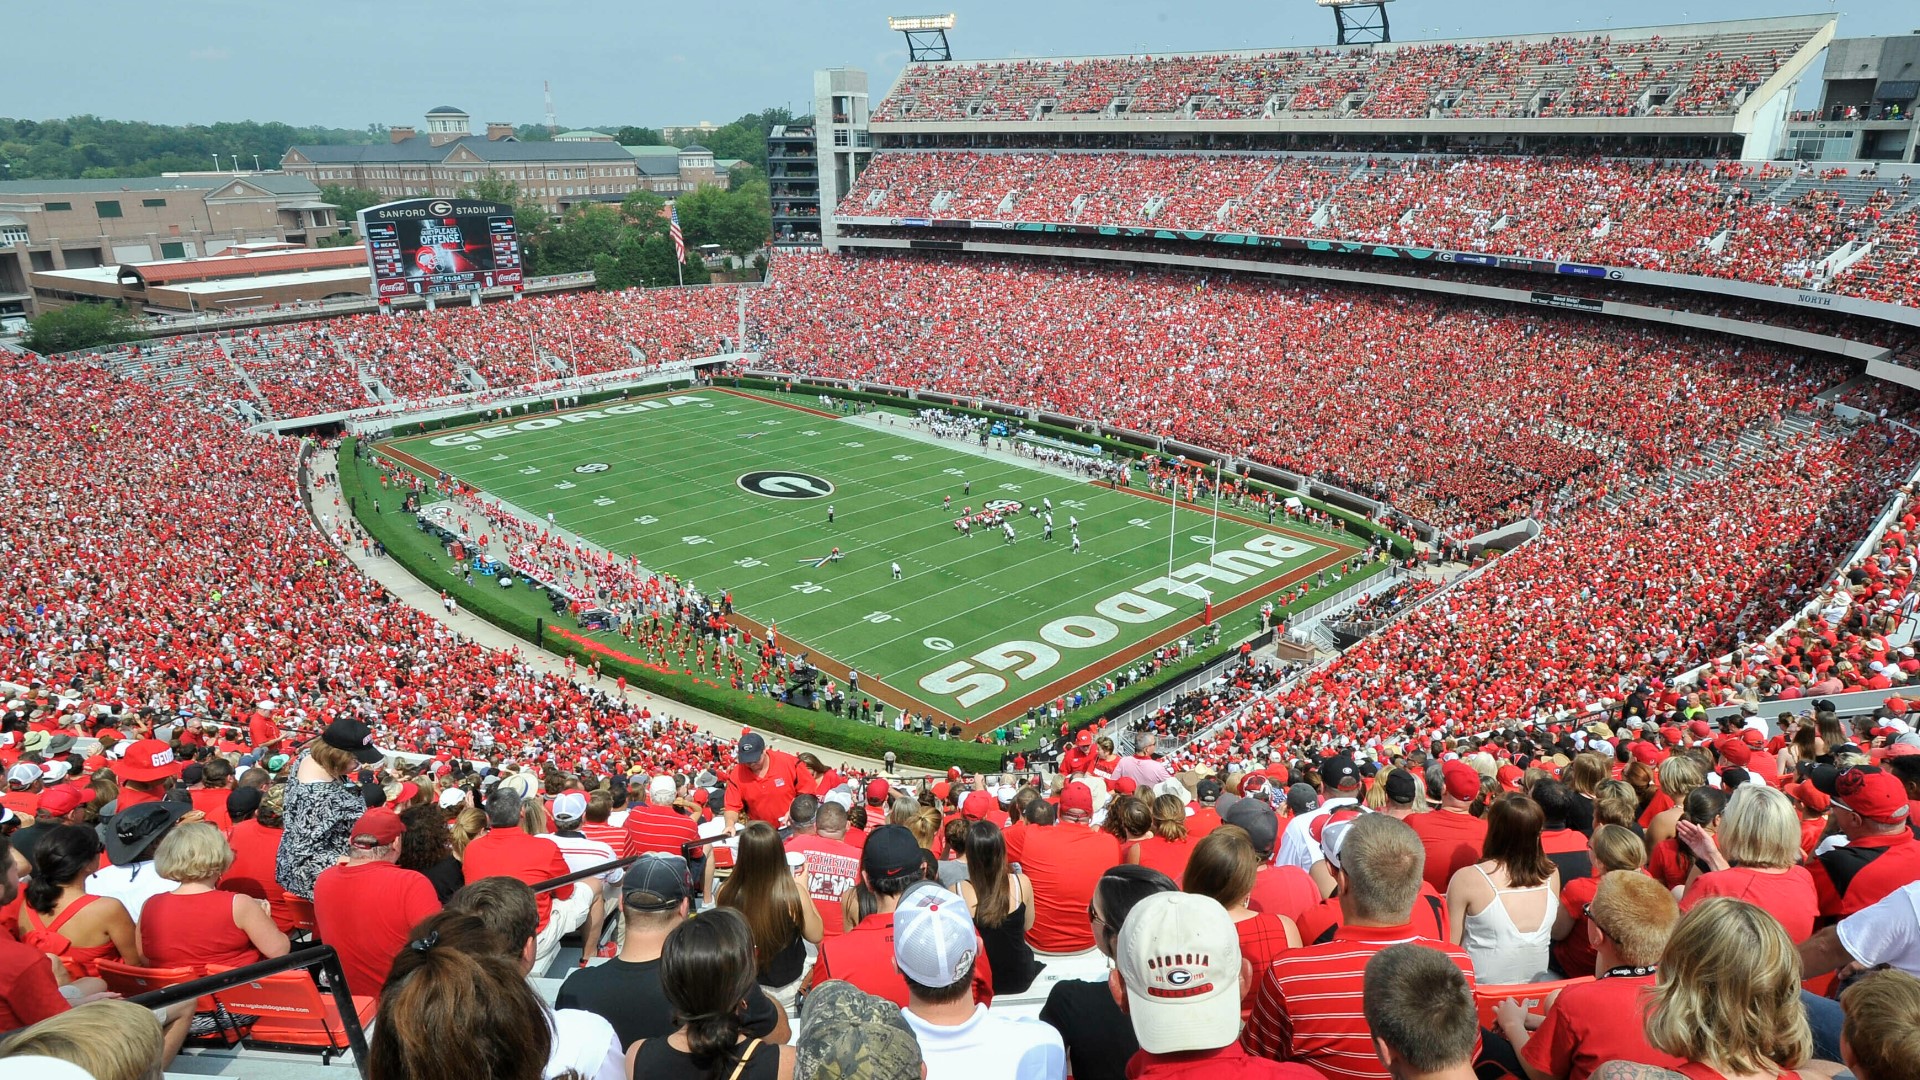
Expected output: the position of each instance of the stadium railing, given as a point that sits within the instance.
(320, 956)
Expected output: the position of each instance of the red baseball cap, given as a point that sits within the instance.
(61, 800)
(1734, 750)
(978, 805)
(1876, 796)
(1645, 752)
(1077, 798)
(1084, 739)
(1700, 728)
(377, 828)
(147, 759)
(1812, 797)
(1509, 777)
(1125, 785)
(1461, 780)
(954, 773)
(877, 791)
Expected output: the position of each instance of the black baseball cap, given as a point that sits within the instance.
(351, 735)
(1208, 790)
(1401, 787)
(244, 802)
(1339, 772)
(1254, 815)
(891, 853)
(657, 882)
(753, 746)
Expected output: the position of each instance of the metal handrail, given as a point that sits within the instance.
(321, 955)
(581, 875)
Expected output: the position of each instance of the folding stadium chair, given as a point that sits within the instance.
(211, 1022)
(293, 1014)
(1531, 996)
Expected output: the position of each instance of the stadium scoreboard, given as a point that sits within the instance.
(438, 247)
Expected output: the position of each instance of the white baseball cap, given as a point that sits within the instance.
(24, 773)
(934, 942)
(451, 798)
(662, 785)
(1180, 959)
(569, 806)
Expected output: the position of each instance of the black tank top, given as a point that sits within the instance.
(659, 1059)
(1009, 956)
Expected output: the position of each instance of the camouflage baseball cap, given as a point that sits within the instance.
(848, 1034)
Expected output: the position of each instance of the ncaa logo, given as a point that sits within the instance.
(439, 208)
(785, 485)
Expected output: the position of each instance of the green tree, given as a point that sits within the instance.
(81, 326)
(350, 200)
(90, 146)
(739, 221)
(639, 136)
(533, 133)
(587, 231)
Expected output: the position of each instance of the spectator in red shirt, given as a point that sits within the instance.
(1726, 999)
(658, 825)
(1224, 867)
(1168, 846)
(1590, 1024)
(508, 851)
(208, 784)
(1420, 1011)
(1177, 973)
(1870, 808)
(28, 992)
(1451, 835)
(763, 783)
(1755, 856)
(200, 924)
(1064, 862)
(1307, 1006)
(366, 908)
(833, 865)
(1286, 891)
(889, 864)
(1614, 847)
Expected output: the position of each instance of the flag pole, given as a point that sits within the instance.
(1173, 516)
(1215, 542)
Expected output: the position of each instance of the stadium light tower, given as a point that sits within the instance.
(926, 36)
(1359, 22)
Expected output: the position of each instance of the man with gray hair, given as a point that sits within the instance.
(1307, 1006)
(1141, 766)
(507, 851)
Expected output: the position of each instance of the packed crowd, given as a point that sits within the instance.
(1461, 416)
(1705, 73)
(1650, 899)
(1690, 217)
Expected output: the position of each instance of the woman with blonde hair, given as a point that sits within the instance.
(1616, 803)
(1501, 909)
(1166, 846)
(468, 824)
(199, 925)
(111, 1040)
(1678, 775)
(771, 894)
(1583, 776)
(1726, 1000)
(1613, 847)
(1755, 856)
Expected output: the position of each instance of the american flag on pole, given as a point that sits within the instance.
(673, 230)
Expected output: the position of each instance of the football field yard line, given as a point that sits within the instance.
(680, 465)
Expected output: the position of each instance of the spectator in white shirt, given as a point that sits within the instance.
(934, 946)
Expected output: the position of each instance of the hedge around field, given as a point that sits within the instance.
(1356, 523)
(528, 615)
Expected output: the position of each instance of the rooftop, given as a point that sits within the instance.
(275, 182)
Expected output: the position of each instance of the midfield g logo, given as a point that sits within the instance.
(785, 485)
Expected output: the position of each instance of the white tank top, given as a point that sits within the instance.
(1501, 952)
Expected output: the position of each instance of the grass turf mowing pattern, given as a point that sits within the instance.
(669, 493)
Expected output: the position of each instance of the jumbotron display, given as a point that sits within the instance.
(433, 247)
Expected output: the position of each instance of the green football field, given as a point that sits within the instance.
(732, 492)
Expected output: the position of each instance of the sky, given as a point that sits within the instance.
(348, 63)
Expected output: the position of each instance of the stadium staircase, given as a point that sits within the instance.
(244, 378)
(1718, 460)
(470, 376)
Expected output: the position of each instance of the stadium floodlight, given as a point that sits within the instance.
(1359, 22)
(926, 36)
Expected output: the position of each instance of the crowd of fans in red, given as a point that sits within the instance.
(1716, 219)
(1707, 74)
(1460, 415)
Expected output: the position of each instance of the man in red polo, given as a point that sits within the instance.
(889, 865)
(367, 907)
(764, 782)
(1064, 862)
(1451, 835)
(145, 772)
(1591, 1024)
(1307, 1007)
(658, 825)
(505, 851)
(1870, 807)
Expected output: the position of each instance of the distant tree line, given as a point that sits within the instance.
(92, 148)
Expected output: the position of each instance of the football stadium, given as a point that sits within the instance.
(1373, 560)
